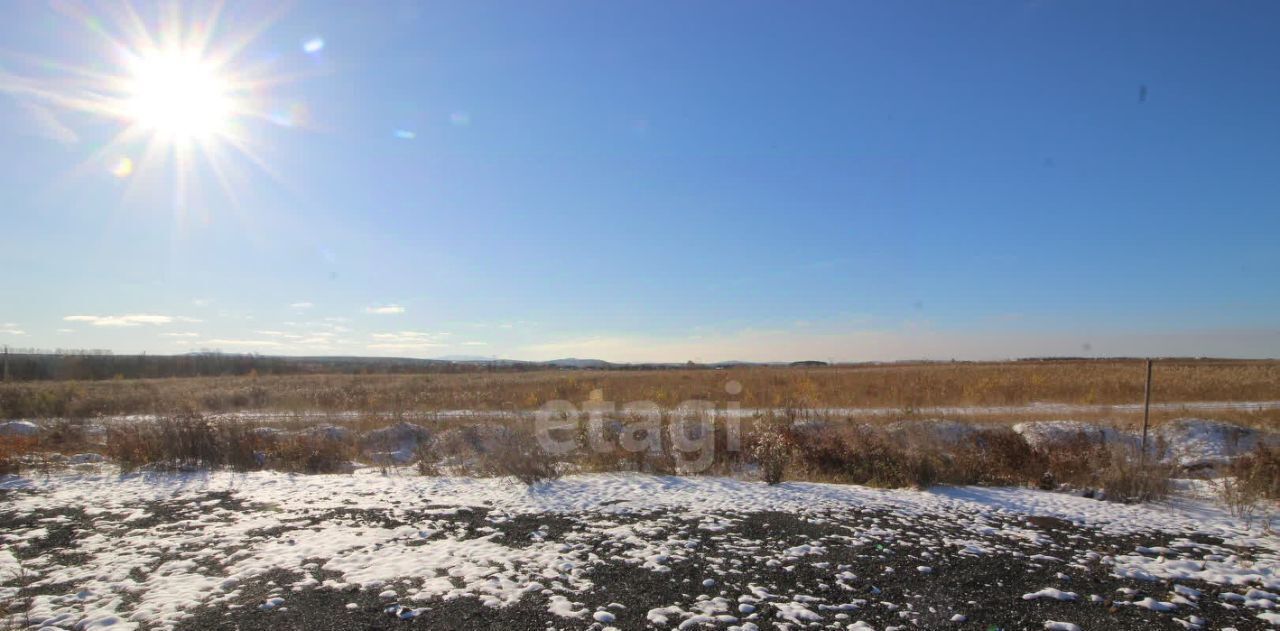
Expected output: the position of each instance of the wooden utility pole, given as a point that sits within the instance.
(1146, 411)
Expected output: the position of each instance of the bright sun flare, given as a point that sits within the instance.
(178, 95)
(187, 92)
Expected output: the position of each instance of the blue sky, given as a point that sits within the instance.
(655, 181)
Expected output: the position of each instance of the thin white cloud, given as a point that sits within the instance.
(302, 305)
(10, 329)
(384, 309)
(128, 320)
(475, 343)
(405, 346)
(186, 334)
(407, 335)
(66, 330)
(318, 340)
(201, 302)
(407, 340)
(242, 343)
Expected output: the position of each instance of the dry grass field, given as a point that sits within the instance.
(777, 438)
(897, 391)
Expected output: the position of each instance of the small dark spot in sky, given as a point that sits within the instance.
(333, 276)
(1142, 93)
(1086, 347)
(919, 304)
(1047, 163)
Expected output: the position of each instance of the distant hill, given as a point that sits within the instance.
(574, 362)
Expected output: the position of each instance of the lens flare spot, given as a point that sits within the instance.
(123, 167)
(404, 134)
(313, 45)
(295, 115)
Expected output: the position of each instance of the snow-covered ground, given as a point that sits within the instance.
(91, 549)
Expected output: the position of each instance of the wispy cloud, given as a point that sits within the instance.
(9, 328)
(384, 309)
(242, 343)
(407, 335)
(407, 340)
(302, 305)
(128, 320)
(186, 334)
(201, 302)
(66, 330)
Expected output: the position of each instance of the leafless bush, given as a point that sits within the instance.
(488, 450)
(997, 456)
(771, 449)
(187, 442)
(1077, 462)
(12, 451)
(1131, 478)
(1259, 471)
(192, 442)
(523, 460)
(1252, 486)
(310, 453)
(861, 455)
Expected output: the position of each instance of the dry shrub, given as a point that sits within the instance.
(246, 447)
(1252, 486)
(771, 447)
(181, 443)
(67, 436)
(13, 449)
(461, 450)
(310, 453)
(1116, 472)
(192, 442)
(523, 459)
(1259, 471)
(993, 457)
(861, 455)
(488, 450)
(1076, 462)
(1130, 478)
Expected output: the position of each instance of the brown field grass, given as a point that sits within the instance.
(778, 444)
(904, 389)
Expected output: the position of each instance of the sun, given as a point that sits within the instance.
(191, 94)
(179, 96)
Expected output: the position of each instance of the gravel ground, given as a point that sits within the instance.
(891, 588)
(633, 567)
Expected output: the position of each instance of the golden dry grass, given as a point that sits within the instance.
(902, 391)
(903, 386)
